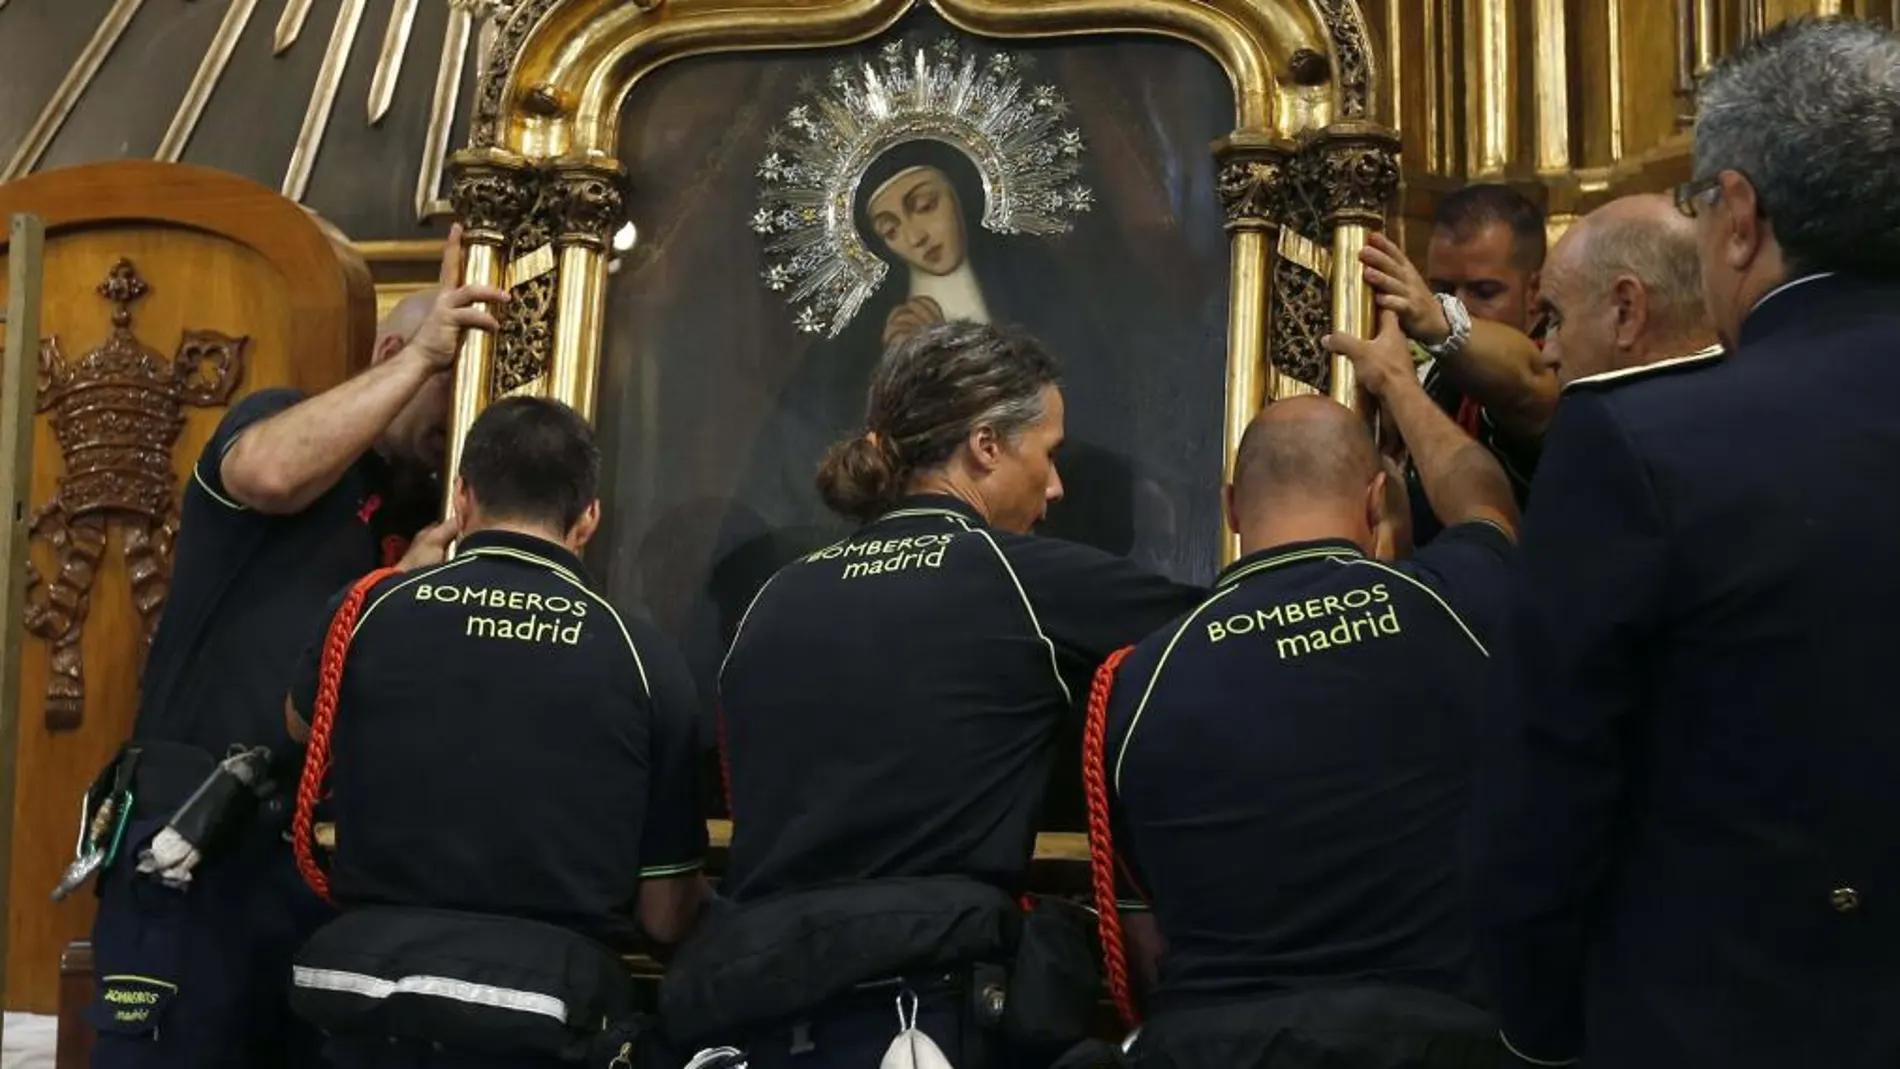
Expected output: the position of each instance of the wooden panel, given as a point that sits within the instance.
(198, 282)
(217, 253)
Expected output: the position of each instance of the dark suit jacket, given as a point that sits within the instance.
(1688, 848)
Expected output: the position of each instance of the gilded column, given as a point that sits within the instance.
(1359, 176)
(1708, 36)
(1491, 80)
(1253, 189)
(589, 198)
(1550, 63)
(491, 190)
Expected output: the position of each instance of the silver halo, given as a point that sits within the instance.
(980, 105)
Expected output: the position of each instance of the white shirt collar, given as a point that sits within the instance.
(1788, 285)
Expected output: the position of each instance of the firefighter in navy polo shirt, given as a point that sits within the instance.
(891, 704)
(512, 778)
(1288, 762)
(201, 908)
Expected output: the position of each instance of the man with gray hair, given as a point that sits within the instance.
(1623, 290)
(1686, 848)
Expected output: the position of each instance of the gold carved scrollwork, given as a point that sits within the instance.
(1253, 184)
(590, 199)
(117, 412)
(1358, 173)
(1302, 292)
(527, 334)
(1301, 317)
(520, 20)
(491, 191)
(527, 323)
(1348, 34)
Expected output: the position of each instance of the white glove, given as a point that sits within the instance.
(169, 859)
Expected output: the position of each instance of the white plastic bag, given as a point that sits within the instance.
(912, 1049)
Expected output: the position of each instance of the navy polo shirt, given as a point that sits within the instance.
(245, 588)
(893, 700)
(1289, 765)
(507, 742)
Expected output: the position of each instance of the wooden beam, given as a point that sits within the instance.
(19, 390)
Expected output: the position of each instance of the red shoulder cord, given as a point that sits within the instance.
(1101, 837)
(322, 718)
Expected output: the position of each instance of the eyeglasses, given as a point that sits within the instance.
(1693, 190)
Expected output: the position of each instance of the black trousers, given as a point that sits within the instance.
(198, 979)
(406, 1054)
(1361, 1027)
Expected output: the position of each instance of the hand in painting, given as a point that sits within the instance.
(909, 318)
(1398, 287)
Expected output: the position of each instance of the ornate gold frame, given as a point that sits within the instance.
(1307, 172)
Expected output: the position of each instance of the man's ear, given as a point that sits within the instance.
(464, 504)
(1228, 509)
(1375, 501)
(584, 528)
(1631, 301)
(387, 345)
(1747, 229)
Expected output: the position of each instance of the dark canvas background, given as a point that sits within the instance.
(703, 375)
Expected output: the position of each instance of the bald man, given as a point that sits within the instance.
(1287, 763)
(1623, 289)
(292, 498)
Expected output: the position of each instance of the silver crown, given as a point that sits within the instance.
(1013, 132)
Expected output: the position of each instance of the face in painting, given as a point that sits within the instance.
(917, 217)
(1023, 481)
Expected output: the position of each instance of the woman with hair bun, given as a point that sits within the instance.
(889, 706)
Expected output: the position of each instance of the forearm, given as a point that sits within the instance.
(1462, 480)
(1499, 368)
(294, 724)
(670, 909)
(1145, 946)
(284, 463)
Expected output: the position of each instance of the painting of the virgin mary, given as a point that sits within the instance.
(920, 207)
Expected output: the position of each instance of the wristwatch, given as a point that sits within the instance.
(1460, 322)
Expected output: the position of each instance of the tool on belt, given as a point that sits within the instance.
(234, 788)
(104, 813)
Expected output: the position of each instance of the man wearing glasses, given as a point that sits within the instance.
(1687, 849)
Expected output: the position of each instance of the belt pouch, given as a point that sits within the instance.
(774, 960)
(480, 983)
(1055, 985)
